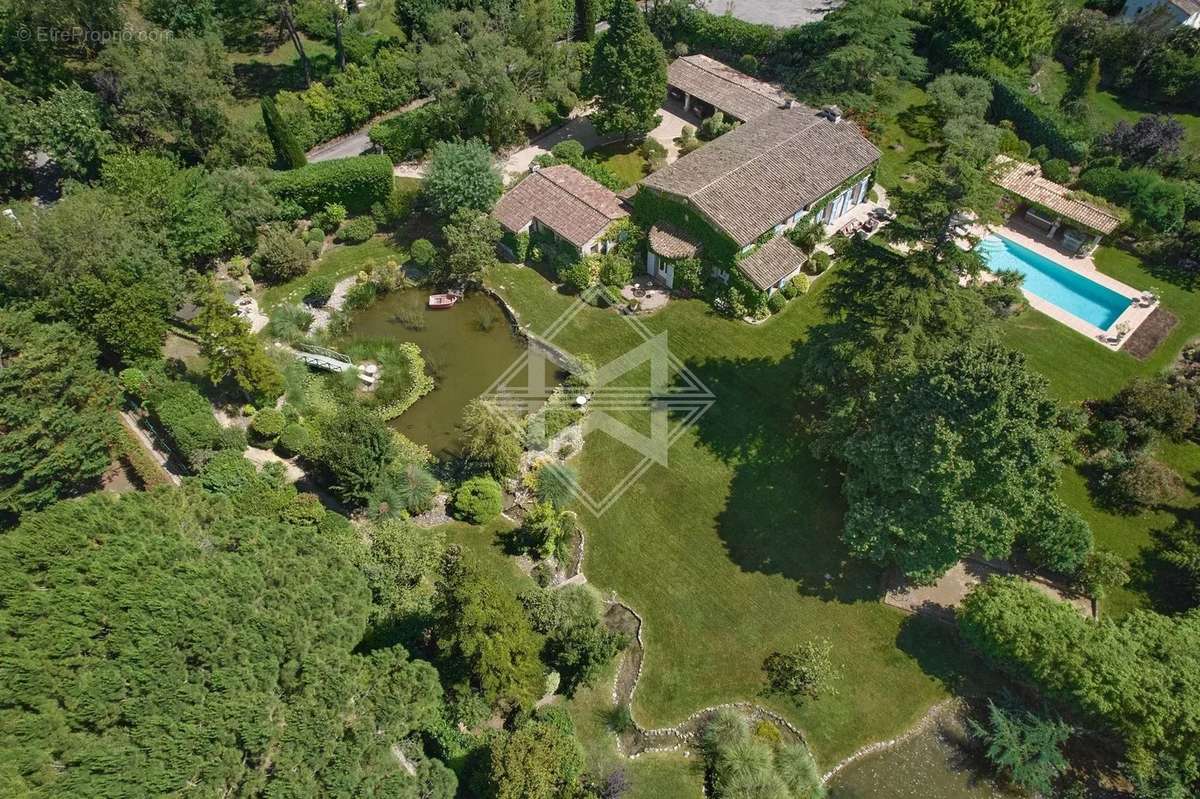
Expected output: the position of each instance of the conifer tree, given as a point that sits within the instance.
(287, 150)
(629, 74)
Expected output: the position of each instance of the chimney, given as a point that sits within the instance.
(790, 103)
(833, 113)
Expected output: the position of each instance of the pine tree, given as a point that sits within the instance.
(287, 150)
(629, 74)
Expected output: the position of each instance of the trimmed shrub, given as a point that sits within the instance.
(357, 230)
(577, 276)
(615, 271)
(330, 216)
(227, 473)
(314, 234)
(320, 289)
(748, 64)
(423, 252)
(1057, 169)
(478, 500)
(654, 153)
(281, 255)
(267, 424)
(295, 439)
(185, 418)
(796, 286)
(776, 301)
(133, 381)
(408, 136)
(356, 183)
(818, 262)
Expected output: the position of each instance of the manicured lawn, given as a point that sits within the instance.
(338, 262)
(624, 160)
(732, 550)
(906, 135)
(1109, 109)
(1080, 369)
(256, 74)
(651, 776)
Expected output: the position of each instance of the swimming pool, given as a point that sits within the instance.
(1056, 284)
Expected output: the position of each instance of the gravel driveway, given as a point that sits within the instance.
(780, 13)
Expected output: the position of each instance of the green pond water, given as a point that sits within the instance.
(466, 349)
(933, 764)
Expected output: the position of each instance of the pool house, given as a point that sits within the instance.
(1071, 223)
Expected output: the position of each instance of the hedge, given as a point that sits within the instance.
(408, 136)
(1037, 121)
(356, 183)
(185, 417)
(147, 469)
(723, 33)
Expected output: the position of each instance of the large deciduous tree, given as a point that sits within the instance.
(172, 642)
(58, 413)
(962, 456)
(540, 759)
(629, 74)
(66, 125)
(461, 176)
(471, 239)
(167, 94)
(88, 262)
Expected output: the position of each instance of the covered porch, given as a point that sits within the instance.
(1074, 224)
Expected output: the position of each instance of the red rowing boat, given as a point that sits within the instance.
(442, 300)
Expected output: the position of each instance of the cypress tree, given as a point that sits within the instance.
(629, 73)
(585, 20)
(287, 149)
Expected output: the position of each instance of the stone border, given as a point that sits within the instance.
(921, 726)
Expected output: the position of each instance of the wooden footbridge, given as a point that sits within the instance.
(329, 360)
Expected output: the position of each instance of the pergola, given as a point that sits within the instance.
(1056, 202)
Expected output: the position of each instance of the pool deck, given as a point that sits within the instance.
(1030, 238)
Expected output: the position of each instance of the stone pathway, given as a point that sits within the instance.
(261, 457)
(337, 299)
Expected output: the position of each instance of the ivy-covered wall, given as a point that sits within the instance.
(716, 249)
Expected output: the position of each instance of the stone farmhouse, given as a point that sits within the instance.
(725, 204)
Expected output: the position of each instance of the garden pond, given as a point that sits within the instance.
(934, 763)
(466, 349)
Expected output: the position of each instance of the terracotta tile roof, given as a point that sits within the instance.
(1025, 180)
(671, 242)
(563, 199)
(772, 262)
(759, 174)
(723, 87)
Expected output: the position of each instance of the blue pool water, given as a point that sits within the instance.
(1065, 288)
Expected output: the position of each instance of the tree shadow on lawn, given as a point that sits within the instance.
(918, 121)
(1166, 586)
(255, 79)
(784, 511)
